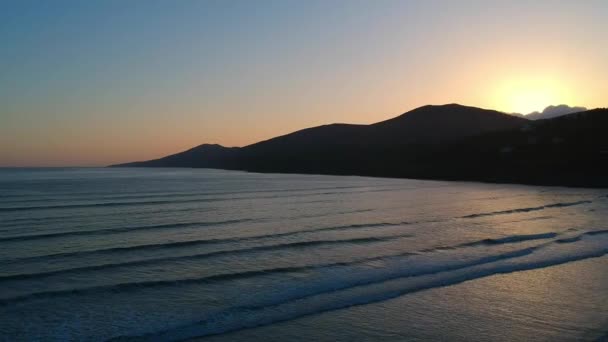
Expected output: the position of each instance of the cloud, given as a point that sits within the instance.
(554, 111)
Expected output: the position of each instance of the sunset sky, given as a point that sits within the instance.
(99, 82)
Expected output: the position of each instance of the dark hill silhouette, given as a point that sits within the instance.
(433, 124)
(567, 150)
(431, 142)
(554, 111)
(205, 155)
(428, 124)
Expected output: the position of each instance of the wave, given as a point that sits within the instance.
(105, 204)
(202, 242)
(528, 209)
(197, 200)
(47, 219)
(505, 240)
(181, 225)
(122, 230)
(292, 245)
(20, 221)
(569, 240)
(162, 194)
(341, 283)
(509, 239)
(597, 232)
(125, 287)
(364, 292)
(514, 239)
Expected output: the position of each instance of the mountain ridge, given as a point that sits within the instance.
(399, 130)
(451, 141)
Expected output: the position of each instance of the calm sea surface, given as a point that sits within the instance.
(175, 254)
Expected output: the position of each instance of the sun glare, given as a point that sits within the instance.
(528, 100)
(525, 96)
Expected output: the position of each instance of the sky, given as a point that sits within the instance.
(91, 83)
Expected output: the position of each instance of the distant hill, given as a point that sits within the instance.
(205, 155)
(431, 142)
(435, 124)
(554, 111)
(428, 124)
(570, 150)
(551, 112)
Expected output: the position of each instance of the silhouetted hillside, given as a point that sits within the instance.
(434, 124)
(431, 142)
(567, 150)
(554, 112)
(428, 124)
(206, 155)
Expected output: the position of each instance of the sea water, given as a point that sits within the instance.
(94, 254)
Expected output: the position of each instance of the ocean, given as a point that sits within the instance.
(95, 254)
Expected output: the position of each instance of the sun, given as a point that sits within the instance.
(525, 95)
(525, 101)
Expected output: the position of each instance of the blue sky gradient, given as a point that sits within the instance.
(99, 82)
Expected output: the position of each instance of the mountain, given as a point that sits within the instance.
(206, 155)
(550, 112)
(434, 124)
(451, 142)
(428, 124)
(378, 149)
(570, 150)
(554, 111)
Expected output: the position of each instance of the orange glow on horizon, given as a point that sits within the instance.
(526, 94)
